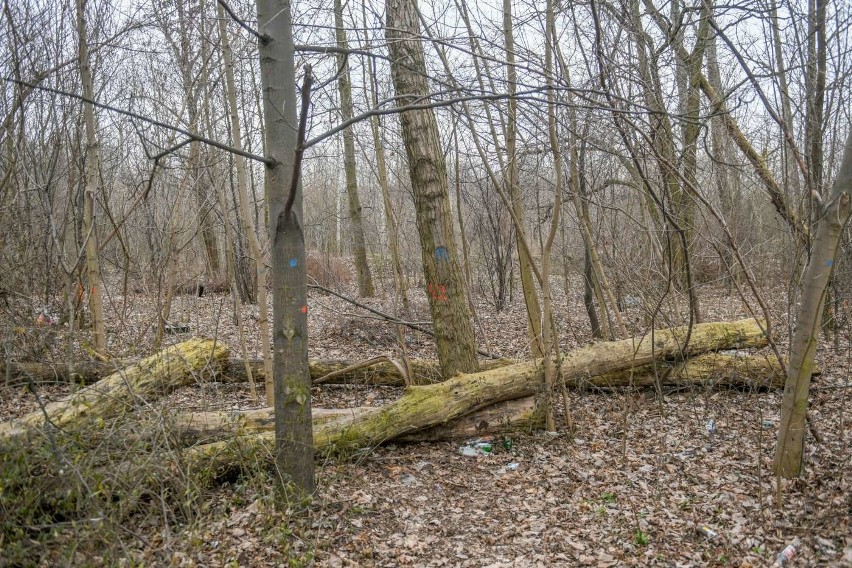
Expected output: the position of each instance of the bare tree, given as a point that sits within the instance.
(428, 172)
(344, 87)
(246, 215)
(834, 214)
(93, 267)
(292, 380)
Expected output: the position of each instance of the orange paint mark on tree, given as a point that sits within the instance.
(437, 292)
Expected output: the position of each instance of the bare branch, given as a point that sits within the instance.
(260, 37)
(194, 137)
(300, 143)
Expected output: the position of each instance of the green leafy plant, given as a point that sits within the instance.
(608, 497)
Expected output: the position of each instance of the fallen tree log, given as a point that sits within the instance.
(423, 407)
(206, 427)
(81, 372)
(710, 369)
(729, 369)
(152, 377)
(88, 372)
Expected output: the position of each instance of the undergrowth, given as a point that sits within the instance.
(119, 494)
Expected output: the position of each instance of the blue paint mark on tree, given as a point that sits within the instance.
(829, 262)
(441, 254)
(293, 263)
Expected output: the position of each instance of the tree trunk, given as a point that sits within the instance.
(427, 406)
(791, 171)
(238, 302)
(400, 284)
(294, 453)
(344, 87)
(789, 453)
(93, 166)
(721, 157)
(510, 177)
(711, 369)
(427, 169)
(121, 391)
(194, 80)
(815, 90)
(549, 337)
(691, 131)
(662, 135)
(246, 216)
(757, 160)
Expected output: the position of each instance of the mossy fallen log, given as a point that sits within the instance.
(88, 372)
(206, 427)
(423, 407)
(80, 372)
(150, 378)
(710, 369)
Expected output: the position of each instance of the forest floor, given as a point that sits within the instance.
(628, 487)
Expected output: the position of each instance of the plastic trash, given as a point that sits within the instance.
(711, 427)
(786, 556)
(704, 530)
(768, 424)
(512, 466)
(478, 447)
(46, 318)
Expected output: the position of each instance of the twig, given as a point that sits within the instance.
(137, 116)
(363, 365)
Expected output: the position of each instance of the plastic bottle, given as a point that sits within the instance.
(477, 447)
(704, 530)
(786, 556)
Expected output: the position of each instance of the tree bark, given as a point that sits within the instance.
(721, 157)
(815, 89)
(789, 452)
(689, 155)
(154, 376)
(791, 170)
(427, 169)
(663, 137)
(719, 108)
